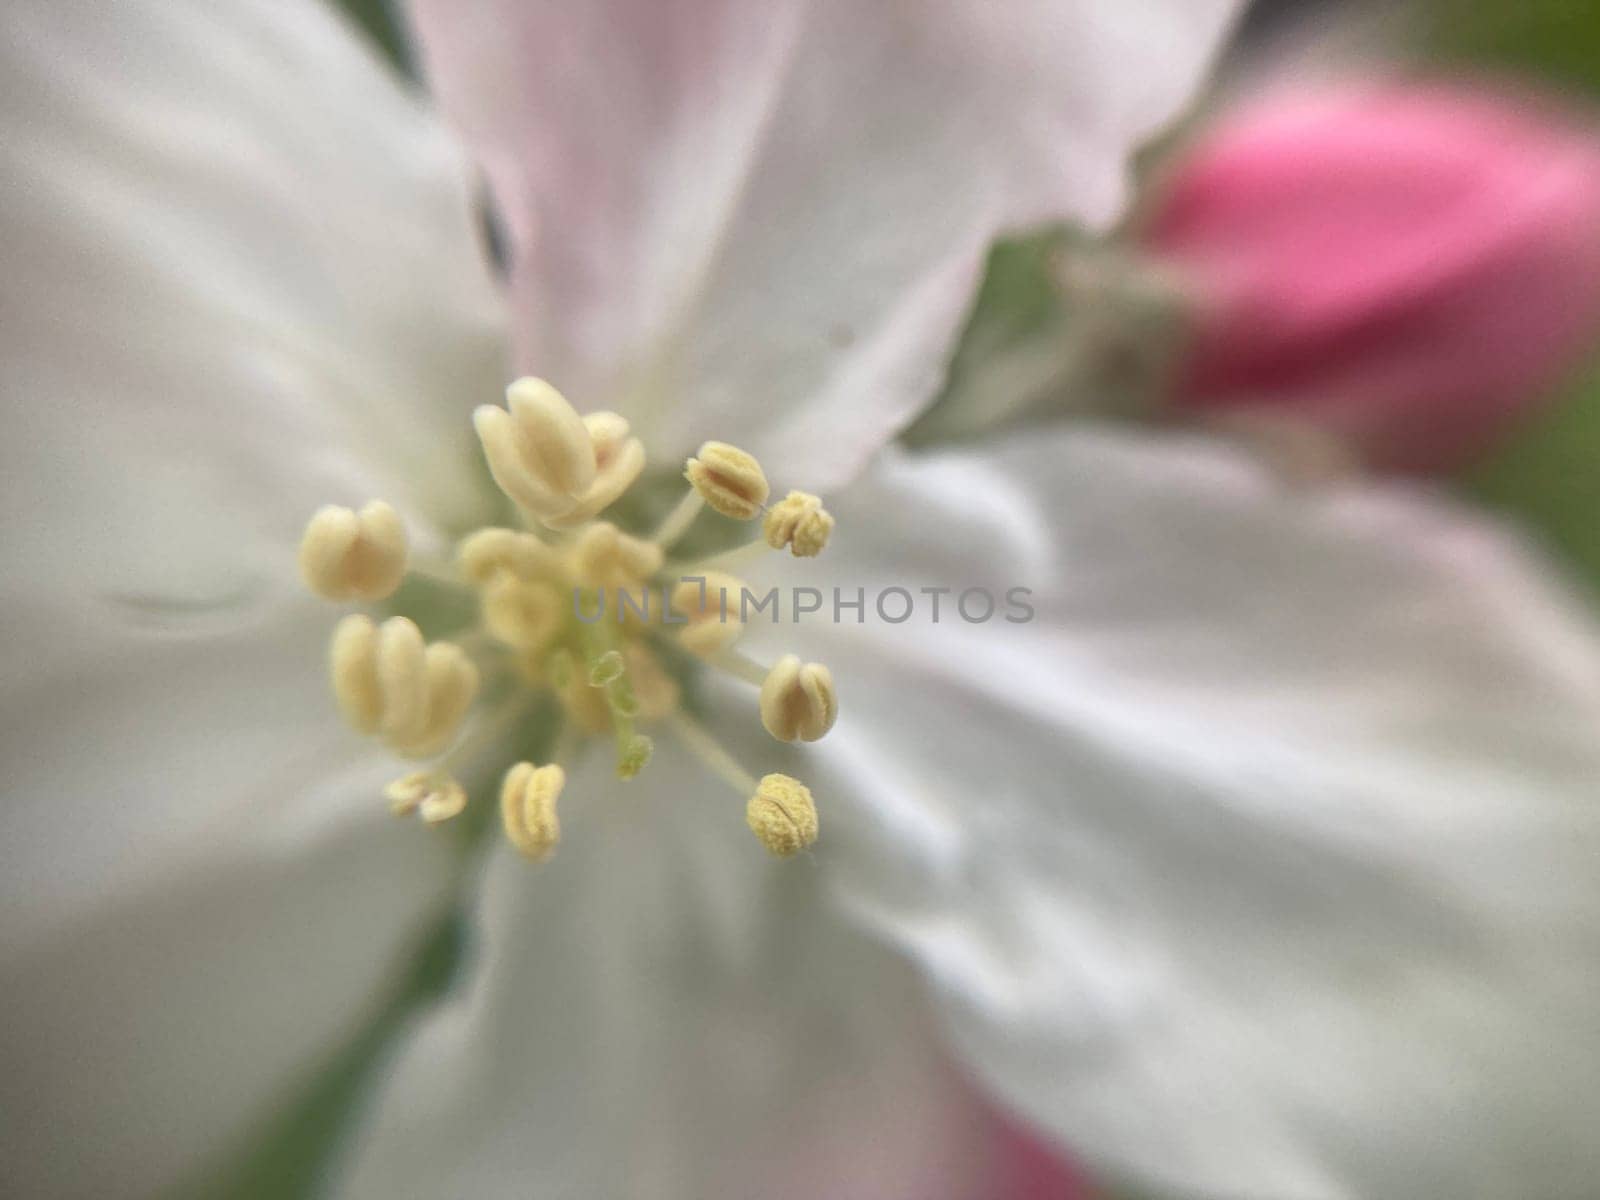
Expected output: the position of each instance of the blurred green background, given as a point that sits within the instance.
(1547, 476)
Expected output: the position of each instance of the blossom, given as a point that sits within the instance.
(244, 280)
(1411, 266)
(1272, 827)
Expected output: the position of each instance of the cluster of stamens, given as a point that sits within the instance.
(544, 621)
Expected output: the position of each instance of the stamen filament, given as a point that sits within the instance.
(699, 741)
(442, 573)
(677, 522)
(727, 560)
(565, 748)
(740, 666)
(489, 729)
(478, 642)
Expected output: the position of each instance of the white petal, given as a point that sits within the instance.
(242, 271)
(763, 222)
(241, 280)
(661, 1010)
(140, 1043)
(1264, 861)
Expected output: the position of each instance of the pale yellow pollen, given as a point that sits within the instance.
(782, 815)
(452, 685)
(608, 432)
(620, 460)
(729, 480)
(559, 466)
(710, 603)
(527, 616)
(345, 555)
(798, 702)
(799, 522)
(503, 448)
(403, 680)
(389, 682)
(433, 796)
(491, 552)
(538, 625)
(605, 557)
(528, 808)
(538, 449)
(353, 670)
(558, 443)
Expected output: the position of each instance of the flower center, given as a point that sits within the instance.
(574, 609)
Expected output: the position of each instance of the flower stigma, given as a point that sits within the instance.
(540, 596)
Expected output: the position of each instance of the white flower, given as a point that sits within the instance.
(1260, 863)
(1276, 875)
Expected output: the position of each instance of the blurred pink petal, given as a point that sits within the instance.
(1036, 1170)
(1409, 265)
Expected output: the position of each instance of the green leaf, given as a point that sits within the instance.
(1064, 324)
(289, 1158)
(1556, 39)
(377, 18)
(1548, 477)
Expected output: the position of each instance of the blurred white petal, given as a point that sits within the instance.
(241, 280)
(142, 1040)
(661, 1011)
(764, 222)
(1263, 863)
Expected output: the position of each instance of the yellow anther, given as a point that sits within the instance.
(539, 451)
(610, 437)
(799, 522)
(402, 670)
(729, 480)
(559, 466)
(528, 808)
(781, 815)
(353, 671)
(432, 796)
(608, 433)
(388, 682)
(558, 445)
(345, 555)
(619, 461)
(798, 702)
(524, 615)
(605, 557)
(564, 469)
(711, 604)
(491, 552)
(452, 683)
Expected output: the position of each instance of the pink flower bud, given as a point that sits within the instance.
(1409, 266)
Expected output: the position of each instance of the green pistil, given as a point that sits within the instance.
(608, 670)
